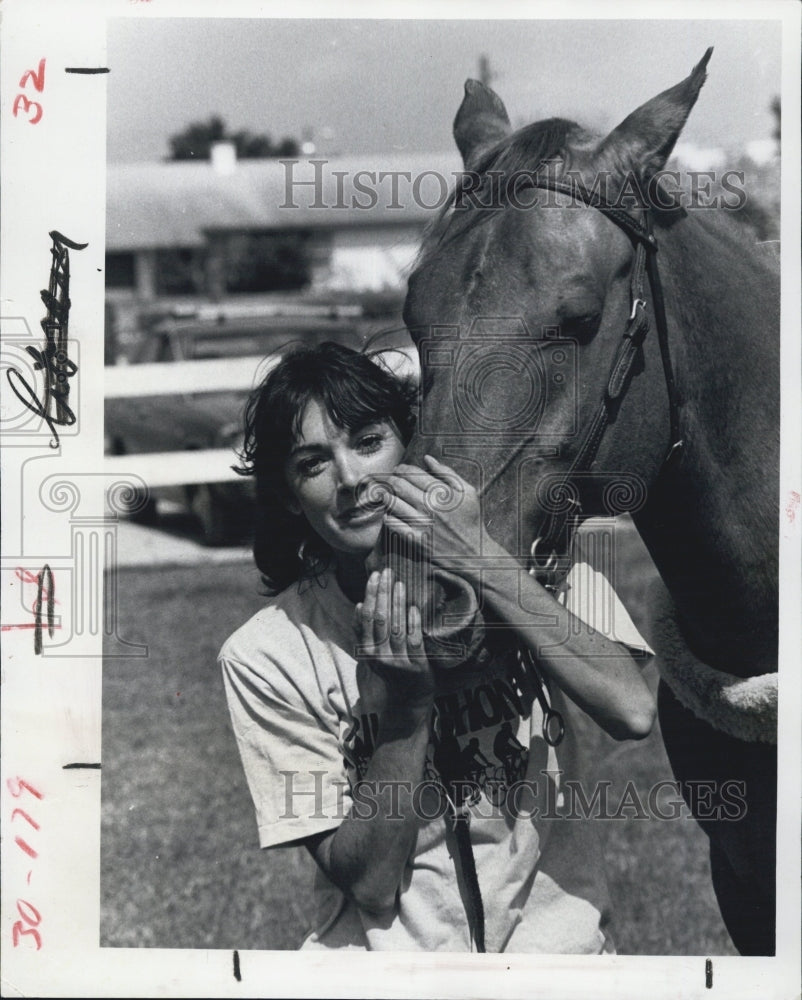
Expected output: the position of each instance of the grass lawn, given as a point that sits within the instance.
(180, 866)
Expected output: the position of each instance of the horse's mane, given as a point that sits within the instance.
(531, 147)
(529, 150)
(546, 145)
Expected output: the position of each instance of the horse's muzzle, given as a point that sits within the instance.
(453, 624)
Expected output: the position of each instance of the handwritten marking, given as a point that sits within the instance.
(27, 576)
(30, 917)
(22, 625)
(237, 973)
(21, 102)
(42, 593)
(708, 974)
(24, 815)
(45, 591)
(19, 784)
(37, 77)
(53, 360)
(19, 929)
(76, 766)
(26, 847)
(86, 69)
(792, 506)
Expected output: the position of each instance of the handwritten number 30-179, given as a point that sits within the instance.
(29, 915)
(21, 102)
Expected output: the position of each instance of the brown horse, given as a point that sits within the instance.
(569, 369)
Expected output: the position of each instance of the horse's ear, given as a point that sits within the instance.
(643, 141)
(480, 123)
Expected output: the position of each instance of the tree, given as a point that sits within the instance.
(486, 74)
(197, 139)
(776, 110)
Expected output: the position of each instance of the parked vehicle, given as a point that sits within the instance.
(198, 421)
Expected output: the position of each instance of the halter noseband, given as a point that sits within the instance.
(644, 263)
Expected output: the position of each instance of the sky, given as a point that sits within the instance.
(373, 86)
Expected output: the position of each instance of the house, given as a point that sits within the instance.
(218, 228)
(179, 234)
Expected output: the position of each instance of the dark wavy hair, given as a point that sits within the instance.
(355, 391)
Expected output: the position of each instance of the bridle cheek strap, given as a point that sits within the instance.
(644, 265)
(645, 262)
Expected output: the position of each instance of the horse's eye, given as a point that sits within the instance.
(583, 326)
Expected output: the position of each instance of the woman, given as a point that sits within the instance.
(341, 721)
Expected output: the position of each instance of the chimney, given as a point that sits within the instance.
(224, 158)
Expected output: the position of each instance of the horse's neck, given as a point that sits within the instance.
(711, 521)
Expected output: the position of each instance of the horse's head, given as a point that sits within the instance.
(518, 304)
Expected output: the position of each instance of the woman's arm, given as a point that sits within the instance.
(366, 855)
(597, 673)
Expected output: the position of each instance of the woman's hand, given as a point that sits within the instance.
(367, 856)
(440, 512)
(391, 640)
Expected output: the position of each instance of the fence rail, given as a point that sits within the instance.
(175, 468)
(183, 468)
(180, 377)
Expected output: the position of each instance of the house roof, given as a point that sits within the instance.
(159, 205)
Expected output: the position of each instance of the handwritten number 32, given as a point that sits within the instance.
(21, 102)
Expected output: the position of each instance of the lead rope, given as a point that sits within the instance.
(460, 824)
(460, 818)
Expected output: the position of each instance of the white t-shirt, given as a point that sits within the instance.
(303, 711)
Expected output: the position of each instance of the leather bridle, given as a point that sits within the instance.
(644, 264)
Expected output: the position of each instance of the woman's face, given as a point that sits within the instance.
(324, 470)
